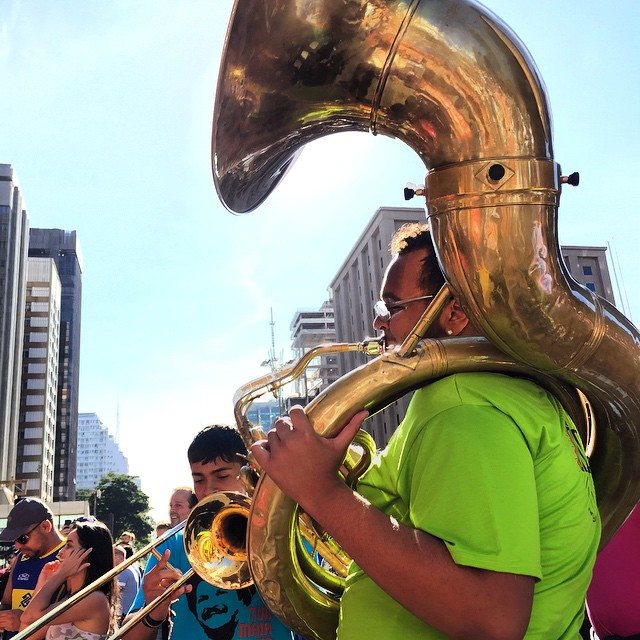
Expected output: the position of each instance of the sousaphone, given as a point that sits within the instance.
(452, 81)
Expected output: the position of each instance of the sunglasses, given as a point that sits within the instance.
(384, 310)
(24, 538)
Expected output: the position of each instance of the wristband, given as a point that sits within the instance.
(149, 622)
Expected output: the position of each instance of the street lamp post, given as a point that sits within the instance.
(97, 494)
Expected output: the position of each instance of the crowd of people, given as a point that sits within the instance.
(452, 535)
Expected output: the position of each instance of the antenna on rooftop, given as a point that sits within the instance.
(272, 354)
(273, 360)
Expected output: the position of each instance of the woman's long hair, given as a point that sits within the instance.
(97, 537)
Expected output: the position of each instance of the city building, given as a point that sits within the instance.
(39, 393)
(356, 287)
(308, 330)
(263, 413)
(588, 265)
(14, 233)
(63, 247)
(98, 452)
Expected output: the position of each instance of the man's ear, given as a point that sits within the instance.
(47, 526)
(455, 320)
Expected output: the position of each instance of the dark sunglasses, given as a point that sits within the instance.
(24, 538)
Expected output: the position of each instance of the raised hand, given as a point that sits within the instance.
(74, 562)
(49, 569)
(156, 581)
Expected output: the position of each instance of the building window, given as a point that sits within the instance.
(39, 306)
(591, 286)
(587, 270)
(35, 401)
(38, 352)
(36, 367)
(33, 383)
(32, 450)
(33, 432)
(34, 416)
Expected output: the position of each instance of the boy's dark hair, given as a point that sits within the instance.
(216, 442)
(411, 237)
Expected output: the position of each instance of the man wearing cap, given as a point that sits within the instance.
(30, 527)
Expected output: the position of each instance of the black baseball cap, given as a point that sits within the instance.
(23, 516)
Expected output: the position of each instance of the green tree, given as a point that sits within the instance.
(123, 506)
(85, 494)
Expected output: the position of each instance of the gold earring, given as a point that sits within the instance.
(449, 332)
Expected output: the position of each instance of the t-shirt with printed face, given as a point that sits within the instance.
(210, 613)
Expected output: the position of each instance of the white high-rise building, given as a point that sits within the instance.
(63, 247)
(39, 393)
(98, 452)
(14, 234)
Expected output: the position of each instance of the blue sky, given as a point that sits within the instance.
(106, 114)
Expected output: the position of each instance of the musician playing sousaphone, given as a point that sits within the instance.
(478, 520)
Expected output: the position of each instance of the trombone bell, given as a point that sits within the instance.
(215, 540)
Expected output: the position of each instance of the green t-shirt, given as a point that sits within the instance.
(494, 467)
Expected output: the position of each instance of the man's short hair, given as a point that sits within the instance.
(216, 442)
(413, 236)
(162, 528)
(193, 499)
